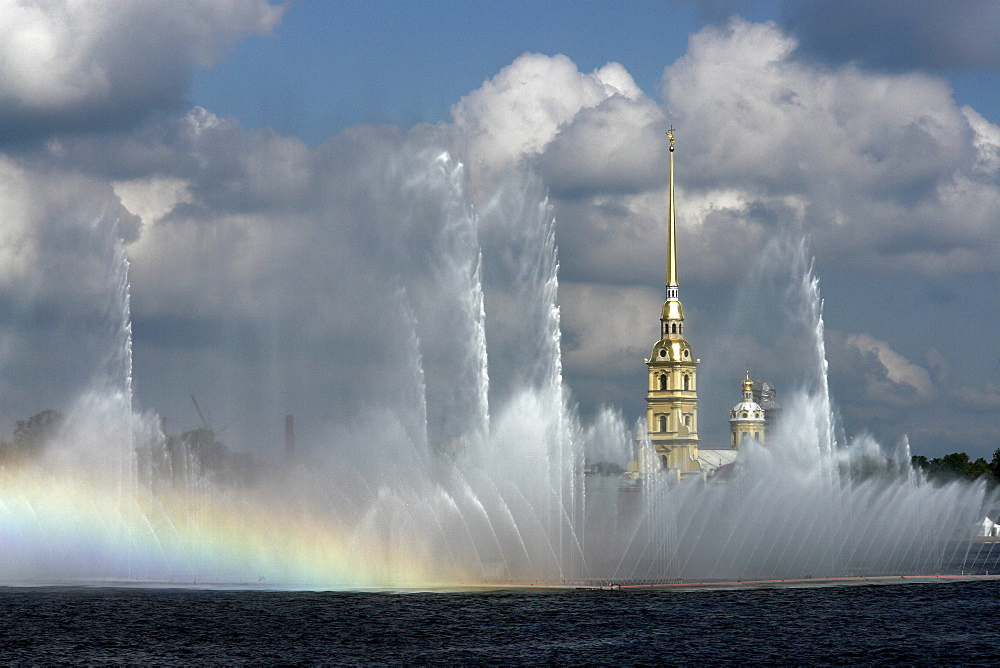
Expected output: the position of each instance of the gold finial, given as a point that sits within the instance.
(670, 134)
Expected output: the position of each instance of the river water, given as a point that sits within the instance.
(952, 622)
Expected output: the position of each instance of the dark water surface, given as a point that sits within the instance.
(910, 623)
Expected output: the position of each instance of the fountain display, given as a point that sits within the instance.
(479, 474)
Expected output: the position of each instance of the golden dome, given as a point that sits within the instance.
(671, 350)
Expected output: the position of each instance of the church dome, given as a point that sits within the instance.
(746, 411)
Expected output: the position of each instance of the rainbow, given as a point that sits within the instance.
(61, 526)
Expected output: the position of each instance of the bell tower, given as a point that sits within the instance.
(672, 388)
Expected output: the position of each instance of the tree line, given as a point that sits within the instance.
(959, 466)
(172, 455)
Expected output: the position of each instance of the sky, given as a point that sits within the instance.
(295, 184)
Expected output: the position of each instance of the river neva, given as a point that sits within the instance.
(911, 623)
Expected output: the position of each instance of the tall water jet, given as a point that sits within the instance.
(449, 313)
(469, 477)
(804, 506)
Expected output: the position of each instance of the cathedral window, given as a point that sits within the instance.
(663, 381)
(687, 382)
(687, 421)
(663, 423)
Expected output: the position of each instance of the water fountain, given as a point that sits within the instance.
(479, 480)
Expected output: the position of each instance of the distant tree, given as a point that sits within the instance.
(32, 435)
(995, 464)
(198, 452)
(957, 466)
(201, 442)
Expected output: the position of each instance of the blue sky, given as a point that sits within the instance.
(333, 64)
(284, 177)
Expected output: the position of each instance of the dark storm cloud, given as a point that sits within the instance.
(84, 66)
(899, 34)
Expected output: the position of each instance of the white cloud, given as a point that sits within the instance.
(615, 146)
(273, 272)
(610, 329)
(897, 368)
(67, 64)
(521, 109)
(888, 170)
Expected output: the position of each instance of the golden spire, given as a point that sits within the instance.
(672, 307)
(672, 230)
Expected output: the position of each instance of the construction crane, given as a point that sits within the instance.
(207, 422)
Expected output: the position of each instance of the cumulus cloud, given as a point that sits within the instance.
(302, 279)
(607, 329)
(81, 65)
(874, 158)
(616, 146)
(59, 284)
(520, 110)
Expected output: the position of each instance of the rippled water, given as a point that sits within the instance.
(911, 623)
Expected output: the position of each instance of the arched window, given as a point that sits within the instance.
(663, 461)
(744, 413)
(674, 328)
(734, 440)
(756, 435)
(663, 381)
(663, 423)
(687, 381)
(687, 421)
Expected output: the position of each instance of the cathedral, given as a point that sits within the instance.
(672, 387)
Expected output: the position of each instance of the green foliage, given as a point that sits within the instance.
(959, 466)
